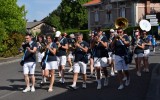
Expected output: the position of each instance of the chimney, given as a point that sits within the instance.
(147, 6)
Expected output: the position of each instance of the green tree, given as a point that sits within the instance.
(12, 16)
(3, 37)
(69, 15)
(12, 22)
(54, 20)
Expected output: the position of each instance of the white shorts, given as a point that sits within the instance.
(29, 68)
(80, 66)
(51, 65)
(120, 63)
(40, 56)
(100, 62)
(70, 56)
(62, 60)
(140, 55)
(146, 53)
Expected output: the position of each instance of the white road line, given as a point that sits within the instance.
(7, 94)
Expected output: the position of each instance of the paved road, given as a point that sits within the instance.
(12, 83)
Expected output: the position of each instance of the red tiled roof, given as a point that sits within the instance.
(93, 2)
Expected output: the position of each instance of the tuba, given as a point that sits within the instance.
(145, 25)
(121, 22)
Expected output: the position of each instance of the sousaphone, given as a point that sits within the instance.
(121, 22)
(145, 25)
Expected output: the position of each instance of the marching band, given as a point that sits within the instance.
(100, 53)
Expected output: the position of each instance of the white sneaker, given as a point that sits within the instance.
(106, 82)
(127, 82)
(116, 71)
(62, 80)
(26, 89)
(144, 70)
(138, 73)
(112, 73)
(99, 86)
(32, 89)
(147, 70)
(121, 87)
(70, 70)
(124, 78)
(84, 86)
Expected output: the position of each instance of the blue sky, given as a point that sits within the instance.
(38, 9)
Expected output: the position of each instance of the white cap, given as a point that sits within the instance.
(58, 33)
(112, 30)
(71, 35)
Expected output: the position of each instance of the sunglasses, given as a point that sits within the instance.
(119, 31)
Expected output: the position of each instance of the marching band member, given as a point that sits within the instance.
(120, 42)
(41, 48)
(138, 51)
(147, 43)
(70, 58)
(100, 57)
(62, 44)
(90, 51)
(51, 61)
(111, 53)
(29, 65)
(80, 61)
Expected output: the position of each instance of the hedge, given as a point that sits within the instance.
(12, 44)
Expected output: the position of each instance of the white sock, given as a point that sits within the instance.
(99, 81)
(74, 84)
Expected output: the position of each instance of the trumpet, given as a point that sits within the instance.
(42, 47)
(95, 42)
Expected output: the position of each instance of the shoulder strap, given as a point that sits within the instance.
(124, 46)
(47, 54)
(61, 40)
(24, 54)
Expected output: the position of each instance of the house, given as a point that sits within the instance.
(39, 27)
(103, 13)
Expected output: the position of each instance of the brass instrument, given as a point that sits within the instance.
(95, 42)
(145, 25)
(121, 22)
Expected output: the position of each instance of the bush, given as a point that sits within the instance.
(11, 45)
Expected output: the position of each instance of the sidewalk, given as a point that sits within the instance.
(10, 60)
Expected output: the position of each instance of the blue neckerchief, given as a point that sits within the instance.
(47, 54)
(24, 54)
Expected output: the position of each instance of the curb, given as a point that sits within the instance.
(8, 62)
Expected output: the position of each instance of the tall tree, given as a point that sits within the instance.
(12, 22)
(12, 16)
(71, 15)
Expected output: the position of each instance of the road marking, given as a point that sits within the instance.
(7, 94)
